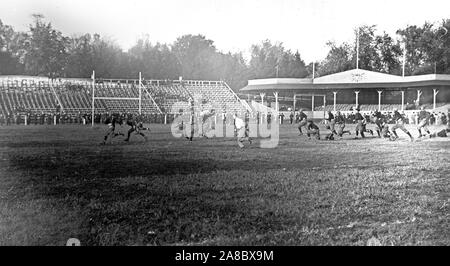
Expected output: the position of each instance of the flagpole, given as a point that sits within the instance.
(93, 95)
(404, 59)
(140, 93)
(313, 70)
(357, 49)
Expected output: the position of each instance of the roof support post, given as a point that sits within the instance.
(435, 92)
(295, 100)
(403, 100)
(334, 100)
(276, 100)
(379, 100)
(262, 94)
(357, 102)
(419, 93)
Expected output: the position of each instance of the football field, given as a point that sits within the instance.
(57, 182)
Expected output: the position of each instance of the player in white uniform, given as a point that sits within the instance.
(241, 130)
(205, 115)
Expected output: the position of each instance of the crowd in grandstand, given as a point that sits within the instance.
(21, 115)
(25, 117)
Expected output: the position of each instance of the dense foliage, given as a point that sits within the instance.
(45, 51)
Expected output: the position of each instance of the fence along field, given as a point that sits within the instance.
(57, 183)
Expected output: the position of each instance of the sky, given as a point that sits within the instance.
(233, 25)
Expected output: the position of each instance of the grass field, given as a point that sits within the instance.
(57, 182)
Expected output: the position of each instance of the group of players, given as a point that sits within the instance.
(336, 125)
(135, 126)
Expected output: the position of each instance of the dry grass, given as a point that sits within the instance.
(56, 182)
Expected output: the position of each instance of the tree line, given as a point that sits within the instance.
(45, 51)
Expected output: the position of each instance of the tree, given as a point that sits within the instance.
(195, 55)
(380, 53)
(231, 68)
(46, 51)
(389, 53)
(105, 58)
(80, 61)
(9, 55)
(267, 59)
(368, 52)
(154, 61)
(338, 59)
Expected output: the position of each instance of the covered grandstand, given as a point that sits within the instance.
(342, 91)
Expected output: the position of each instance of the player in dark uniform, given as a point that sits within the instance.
(302, 117)
(385, 132)
(424, 121)
(312, 129)
(340, 124)
(330, 120)
(111, 121)
(136, 127)
(120, 121)
(191, 120)
(399, 124)
(360, 124)
(444, 132)
(377, 119)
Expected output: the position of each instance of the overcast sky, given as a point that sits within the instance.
(303, 25)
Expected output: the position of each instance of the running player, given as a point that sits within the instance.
(385, 132)
(120, 121)
(136, 127)
(312, 129)
(424, 120)
(302, 121)
(340, 123)
(330, 120)
(111, 121)
(360, 124)
(241, 130)
(191, 120)
(377, 119)
(205, 115)
(399, 124)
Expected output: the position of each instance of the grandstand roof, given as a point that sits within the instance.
(351, 79)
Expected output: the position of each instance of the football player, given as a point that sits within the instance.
(340, 124)
(241, 130)
(424, 120)
(330, 122)
(111, 121)
(377, 119)
(360, 124)
(136, 127)
(302, 121)
(399, 124)
(205, 115)
(312, 129)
